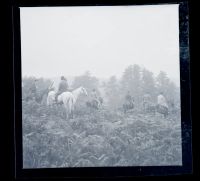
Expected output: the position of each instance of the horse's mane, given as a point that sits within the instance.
(78, 88)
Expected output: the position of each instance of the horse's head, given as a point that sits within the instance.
(83, 91)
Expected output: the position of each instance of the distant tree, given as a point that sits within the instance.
(168, 87)
(86, 80)
(127, 78)
(162, 82)
(136, 86)
(173, 93)
(148, 83)
(112, 92)
(131, 81)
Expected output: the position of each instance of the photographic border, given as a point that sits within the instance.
(105, 172)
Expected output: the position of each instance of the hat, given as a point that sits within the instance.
(63, 78)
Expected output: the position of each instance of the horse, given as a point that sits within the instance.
(51, 98)
(149, 107)
(153, 108)
(128, 106)
(68, 99)
(95, 104)
(92, 104)
(162, 110)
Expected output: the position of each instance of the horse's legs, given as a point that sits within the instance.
(66, 111)
(71, 109)
(66, 114)
(72, 114)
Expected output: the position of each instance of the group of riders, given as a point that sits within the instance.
(95, 100)
(148, 106)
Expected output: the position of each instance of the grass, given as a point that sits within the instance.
(98, 138)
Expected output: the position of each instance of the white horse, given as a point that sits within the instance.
(67, 98)
(51, 98)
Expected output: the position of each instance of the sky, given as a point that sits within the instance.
(101, 39)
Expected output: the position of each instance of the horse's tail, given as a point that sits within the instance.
(70, 104)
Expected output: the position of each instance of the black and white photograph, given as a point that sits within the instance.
(100, 86)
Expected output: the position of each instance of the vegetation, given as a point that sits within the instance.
(104, 137)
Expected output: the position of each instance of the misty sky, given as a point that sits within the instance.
(104, 40)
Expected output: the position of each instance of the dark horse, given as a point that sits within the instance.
(157, 108)
(95, 104)
(162, 110)
(128, 105)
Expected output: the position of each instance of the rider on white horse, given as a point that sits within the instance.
(69, 99)
(63, 87)
(161, 101)
(51, 97)
(162, 106)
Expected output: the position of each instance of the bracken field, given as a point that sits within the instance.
(96, 138)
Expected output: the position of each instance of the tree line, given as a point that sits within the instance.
(140, 81)
(135, 79)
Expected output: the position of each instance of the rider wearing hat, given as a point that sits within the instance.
(162, 105)
(94, 94)
(94, 97)
(129, 99)
(63, 86)
(161, 101)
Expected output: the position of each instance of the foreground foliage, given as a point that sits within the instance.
(98, 138)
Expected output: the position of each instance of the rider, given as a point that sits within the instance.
(94, 96)
(63, 86)
(161, 101)
(129, 99)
